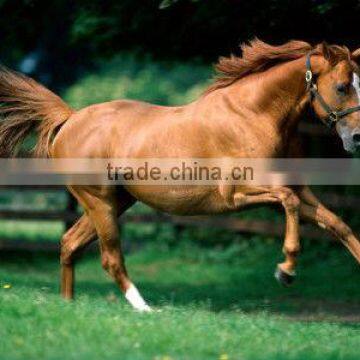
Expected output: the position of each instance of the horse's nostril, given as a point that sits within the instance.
(356, 138)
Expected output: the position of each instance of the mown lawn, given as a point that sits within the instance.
(215, 304)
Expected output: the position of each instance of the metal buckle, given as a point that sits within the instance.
(334, 116)
(308, 76)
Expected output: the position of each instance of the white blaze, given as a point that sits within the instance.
(356, 85)
(133, 296)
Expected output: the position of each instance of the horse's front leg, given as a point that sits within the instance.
(285, 271)
(311, 209)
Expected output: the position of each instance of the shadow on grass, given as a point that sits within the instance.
(326, 289)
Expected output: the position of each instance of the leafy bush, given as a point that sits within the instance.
(165, 83)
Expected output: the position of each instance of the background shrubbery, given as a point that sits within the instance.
(127, 76)
(67, 37)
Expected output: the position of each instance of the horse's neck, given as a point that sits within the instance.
(278, 95)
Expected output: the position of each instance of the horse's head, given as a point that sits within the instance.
(335, 91)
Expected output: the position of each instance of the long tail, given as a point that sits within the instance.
(25, 105)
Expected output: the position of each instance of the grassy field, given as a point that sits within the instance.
(215, 304)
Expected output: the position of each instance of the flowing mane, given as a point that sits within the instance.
(258, 56)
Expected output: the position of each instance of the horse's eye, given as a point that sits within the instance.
(341, 88)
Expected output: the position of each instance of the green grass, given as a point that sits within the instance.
(216, 304)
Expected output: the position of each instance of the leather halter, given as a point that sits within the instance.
(333, 116)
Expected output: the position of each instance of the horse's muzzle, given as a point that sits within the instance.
(350, 137)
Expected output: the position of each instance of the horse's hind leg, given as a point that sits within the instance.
(103, 206)
(311, 209)
(73, 242)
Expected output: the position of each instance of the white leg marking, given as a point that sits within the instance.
(356, 85)
(133, 296)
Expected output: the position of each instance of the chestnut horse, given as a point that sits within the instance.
(251, 111)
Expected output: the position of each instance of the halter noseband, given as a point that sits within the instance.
(333, 116)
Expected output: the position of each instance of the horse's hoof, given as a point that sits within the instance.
(283, 277)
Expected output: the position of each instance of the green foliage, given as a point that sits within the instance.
(325, 6)
(167, 3)
(74, 33)
(87, 24)
(125, 76)
(228, 307)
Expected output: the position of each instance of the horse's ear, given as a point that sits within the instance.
(328, 52)
(355, 55)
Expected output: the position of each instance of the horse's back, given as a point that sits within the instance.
(104, 130)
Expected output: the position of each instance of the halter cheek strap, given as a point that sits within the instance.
(333, 116)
